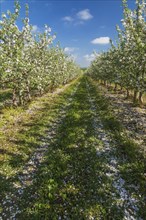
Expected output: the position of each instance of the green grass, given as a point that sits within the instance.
(131, 159)
(68, 182)
(5, 94)
(21, 131)
(5, 98)
(72, 179)
(131, 92)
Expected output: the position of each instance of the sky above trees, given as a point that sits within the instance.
(81, 26)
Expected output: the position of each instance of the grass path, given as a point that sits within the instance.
(84, 167)
(133, 116)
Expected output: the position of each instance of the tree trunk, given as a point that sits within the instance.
(127, 92)
(115, 88)
(135, 96)
(14, 97)
(140, 99)
(28, 92)
(40, 92)
(21, 101)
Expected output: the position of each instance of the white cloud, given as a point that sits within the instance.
(67, 18)
(89, 57)
(101, 40)
(72, 52)
(70, 49)
(84, 15)
(35, 28)
(78, 18)
(84, 60)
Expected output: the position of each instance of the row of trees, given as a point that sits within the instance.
(125, 63)
(29, 63)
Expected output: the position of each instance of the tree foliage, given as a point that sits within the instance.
(125, 63)
(29, 62)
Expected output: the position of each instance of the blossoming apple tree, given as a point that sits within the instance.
(29, 62)
(125, 63)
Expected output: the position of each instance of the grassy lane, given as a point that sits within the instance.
(80, 177)
(128, 161)
(68, 184)
(23, 135)
(86, 167)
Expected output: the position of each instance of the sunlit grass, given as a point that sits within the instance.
(71, 183)
(22, 130)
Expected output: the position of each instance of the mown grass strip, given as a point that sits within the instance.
(23, 132)
(131, 159)
(71, 183)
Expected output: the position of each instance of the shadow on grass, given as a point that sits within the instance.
(131, 159)
(5, 95)
(28, 136)
(71, 183)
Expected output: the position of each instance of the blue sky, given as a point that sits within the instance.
(81, 26)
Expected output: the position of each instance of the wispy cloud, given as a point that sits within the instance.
(67, 18)
(70, 49)
(101, 40)
(86, 59)
(84, 15)
(78, 18)
(72, 52)
(89, 57)
(79, 22)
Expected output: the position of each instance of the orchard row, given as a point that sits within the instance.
(125, 63)
(30, 64)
